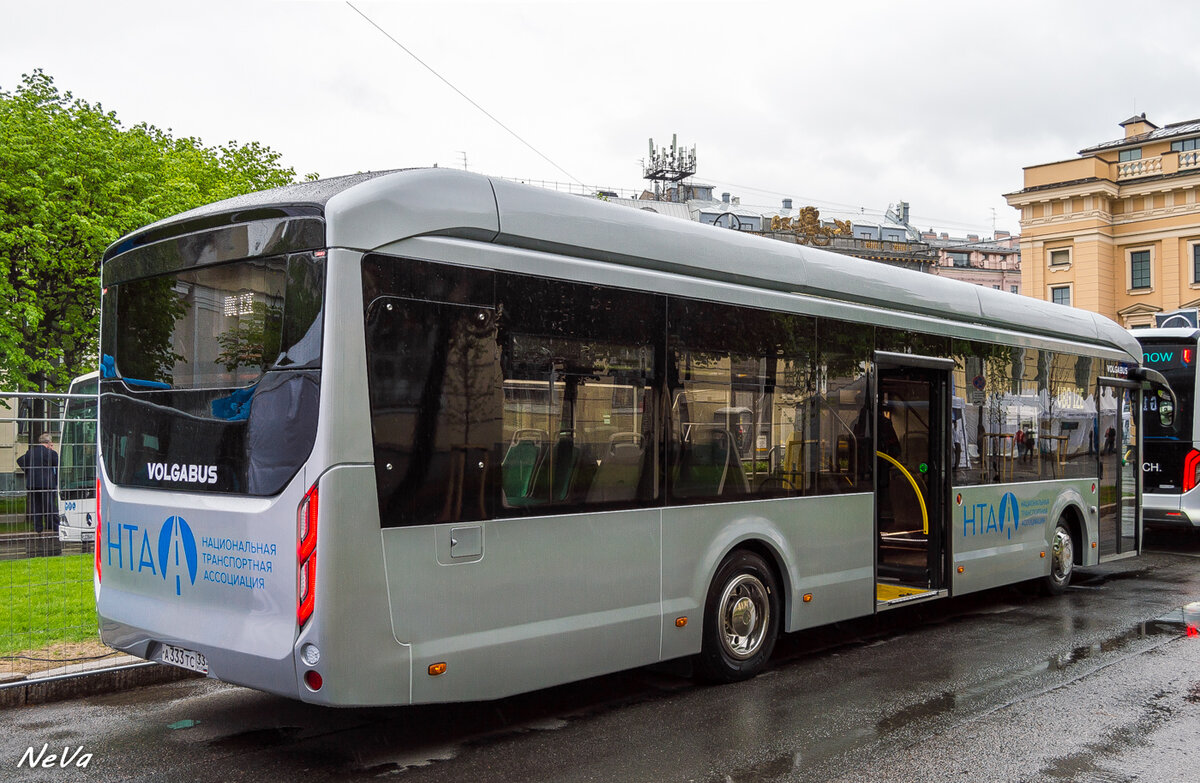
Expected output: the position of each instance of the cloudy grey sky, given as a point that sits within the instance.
(847, 105)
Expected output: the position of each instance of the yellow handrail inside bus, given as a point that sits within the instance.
(916, 488)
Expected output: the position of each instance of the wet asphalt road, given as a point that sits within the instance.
(1099, 685)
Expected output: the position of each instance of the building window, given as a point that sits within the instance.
(1185, 145)
(1061, 294)
(1060, 257)
(1139, 269)
(959, 259)
(1195, 246)
(1016, 289)
(1127, 155)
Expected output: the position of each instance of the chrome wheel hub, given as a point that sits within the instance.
(745, 615)
(1063, 556)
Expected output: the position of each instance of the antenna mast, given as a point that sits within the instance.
(669, 165)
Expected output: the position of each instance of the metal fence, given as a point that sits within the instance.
(48, 623)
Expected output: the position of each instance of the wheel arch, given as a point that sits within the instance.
(1071, 515)
(770, 550)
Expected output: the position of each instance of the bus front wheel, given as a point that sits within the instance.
(741, 619)
(1062, 561)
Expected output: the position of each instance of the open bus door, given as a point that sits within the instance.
(1145, 392)
(912, 455)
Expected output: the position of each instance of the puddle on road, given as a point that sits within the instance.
(1178, 622)
(256, 738)
(921, 711)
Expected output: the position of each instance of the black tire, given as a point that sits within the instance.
(741, 619)
(1062, 561)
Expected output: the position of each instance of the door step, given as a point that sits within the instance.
(887, 596)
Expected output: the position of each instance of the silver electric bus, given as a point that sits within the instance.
(426, 436)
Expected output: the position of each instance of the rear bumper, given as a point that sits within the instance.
(1177, 511)
(276, 676)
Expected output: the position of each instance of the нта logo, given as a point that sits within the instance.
(1008, 505)
(174, 536)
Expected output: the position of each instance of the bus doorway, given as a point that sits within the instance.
(911, 455)
(1120, 463)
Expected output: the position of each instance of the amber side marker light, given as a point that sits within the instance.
(961, 569)
(807, 597)
(680, 622)
(437, 668)
(1043, 554)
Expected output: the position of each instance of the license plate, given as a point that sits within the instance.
(186, 659)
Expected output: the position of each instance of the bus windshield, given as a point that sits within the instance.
(1176, 360)
(77, 466)
(200, 364)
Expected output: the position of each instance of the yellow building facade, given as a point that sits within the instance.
(1117, 229)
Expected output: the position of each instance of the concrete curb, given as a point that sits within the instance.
(89, 683)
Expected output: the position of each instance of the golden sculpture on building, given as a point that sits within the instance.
(809, 229)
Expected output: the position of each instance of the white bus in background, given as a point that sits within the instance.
(77, 461)
(427, 436)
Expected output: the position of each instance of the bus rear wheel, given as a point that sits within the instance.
(741, 619)
(1062, 561)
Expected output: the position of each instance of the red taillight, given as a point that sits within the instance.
(97, 544)
(306, 555)
(1191, 470)
(1187, 355)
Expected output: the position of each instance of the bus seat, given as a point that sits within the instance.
(704, 462)
(735, 481)
(520, 464)
(566, 464)
(617, 475)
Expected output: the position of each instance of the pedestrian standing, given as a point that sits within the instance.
(40, 464)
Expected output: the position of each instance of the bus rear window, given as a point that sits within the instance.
(219, 326)
(210, 375)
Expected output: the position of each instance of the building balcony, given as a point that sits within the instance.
(1167, 163)
(1146, 167)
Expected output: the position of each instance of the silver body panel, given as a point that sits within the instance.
(997, 542)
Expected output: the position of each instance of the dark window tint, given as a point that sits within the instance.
(580, 367)
(741, 397)
(541, 401)
(841, 428)
(1177, 362)
(219, 326)
(1020, 414)
(210, 376)
(433, 375)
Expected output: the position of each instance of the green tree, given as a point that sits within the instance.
(73, 179)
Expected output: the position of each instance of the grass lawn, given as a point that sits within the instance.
(46, 600)
(12, 514)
